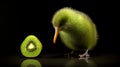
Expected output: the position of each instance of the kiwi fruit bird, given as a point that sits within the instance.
(77, 31)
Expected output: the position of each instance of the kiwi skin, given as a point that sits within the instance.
(31, 46)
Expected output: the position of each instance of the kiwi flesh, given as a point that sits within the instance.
(31, 46)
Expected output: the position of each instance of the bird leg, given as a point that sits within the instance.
(84, 55)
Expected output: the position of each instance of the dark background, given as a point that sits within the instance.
(19, 19)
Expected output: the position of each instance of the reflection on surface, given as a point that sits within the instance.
(31, 63)
(80, 63)
(61, 61)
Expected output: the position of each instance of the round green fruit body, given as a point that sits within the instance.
(31, 46)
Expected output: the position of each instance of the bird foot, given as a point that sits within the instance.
(77, 55)
(86, 55)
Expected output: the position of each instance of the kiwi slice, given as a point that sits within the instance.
(31, 63)
(31, 46)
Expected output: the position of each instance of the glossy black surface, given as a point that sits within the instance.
(60, 61)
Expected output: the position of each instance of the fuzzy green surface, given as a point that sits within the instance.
(24, 44)
(31, 63)
(76, 29)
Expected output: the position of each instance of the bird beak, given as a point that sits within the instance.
(56, 34)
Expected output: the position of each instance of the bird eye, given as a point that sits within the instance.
(63, 21)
